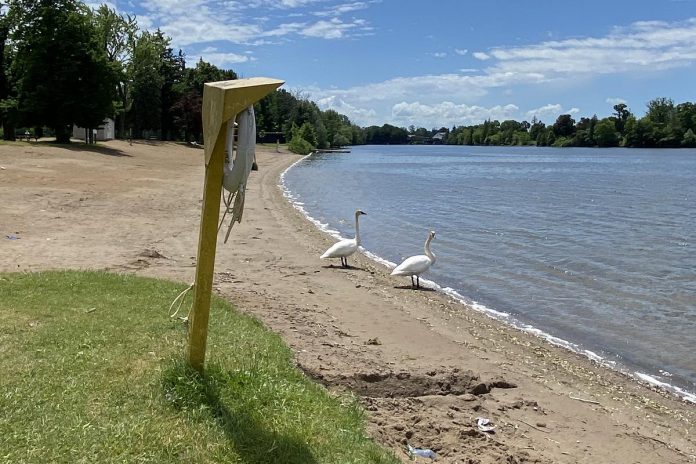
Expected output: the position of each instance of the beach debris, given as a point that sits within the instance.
(11, 237)
(373, 341)
(422, 452)
(152, 253)
(485, 425)
(535, 427)
(583, 400)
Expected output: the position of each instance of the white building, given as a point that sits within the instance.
(106, 131)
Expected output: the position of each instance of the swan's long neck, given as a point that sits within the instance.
(357, 229)
(429, 253)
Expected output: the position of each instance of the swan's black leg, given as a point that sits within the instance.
(417, 281)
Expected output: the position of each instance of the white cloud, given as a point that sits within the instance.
(615, 100)
(354, 113)
(439, 54)
(333, 29)
(549, 112)
(461, 51)
(204, 21)
(338, 10)
(643, 46)
(224, 60)
(96, 4)
(639, 48)
(447, 113)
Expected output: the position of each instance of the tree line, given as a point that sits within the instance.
(665, 125)
(64, 63)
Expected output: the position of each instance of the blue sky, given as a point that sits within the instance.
(444, 63)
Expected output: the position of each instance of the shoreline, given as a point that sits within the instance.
(423, 366)
(645, 379)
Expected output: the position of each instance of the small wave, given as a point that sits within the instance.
(490, 312)
(687, 396)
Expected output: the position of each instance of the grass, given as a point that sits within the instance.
(92, 371)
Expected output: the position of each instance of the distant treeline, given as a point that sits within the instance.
(665, 125)
(64, 63)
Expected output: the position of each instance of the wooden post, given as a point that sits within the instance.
(222, 101)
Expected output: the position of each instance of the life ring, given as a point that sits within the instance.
(240, 160)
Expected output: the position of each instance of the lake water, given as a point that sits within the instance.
(594, 249)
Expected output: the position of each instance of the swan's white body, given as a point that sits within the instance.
(416, 265)
(346, 247)
(238, 163)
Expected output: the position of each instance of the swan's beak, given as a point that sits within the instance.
(362, 212)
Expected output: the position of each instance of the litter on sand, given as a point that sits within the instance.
(11, 237)
(424, 453)
(484, 425)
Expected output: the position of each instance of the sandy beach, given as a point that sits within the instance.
(424, 366)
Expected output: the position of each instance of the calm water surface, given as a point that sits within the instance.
(597, 247)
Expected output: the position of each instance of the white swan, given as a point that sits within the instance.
(346, 247)
(416, 265)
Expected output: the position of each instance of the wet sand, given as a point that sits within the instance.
(424, 366)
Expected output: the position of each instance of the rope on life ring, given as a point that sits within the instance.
(239, 160)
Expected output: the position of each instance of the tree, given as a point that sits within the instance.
(63, 73)
(116, 35)
(536, 128)
(564, 126)
(186, 110)
(660, 110)
(622, 115)
(689, 139)
(8, 102)
(605, 133)
(146, 111)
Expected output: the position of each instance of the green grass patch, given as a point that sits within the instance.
(92, 371)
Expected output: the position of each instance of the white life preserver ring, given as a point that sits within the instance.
(238, 161)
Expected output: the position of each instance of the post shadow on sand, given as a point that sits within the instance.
(185, 388)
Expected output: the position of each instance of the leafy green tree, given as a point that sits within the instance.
(536, 128)
(686, 116)
(564, 126)
(606, 134)
(660, 110)
(639, 133)
(299, 142)
(146, 110)
(308, 133)
(340, 140)
(300, 146)
(689, 139)
(172, 69)
(116, 35)
(8, 102)
(622, 115)
(186, 110)
(63, 73)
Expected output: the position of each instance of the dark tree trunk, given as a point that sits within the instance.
(62, 134)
